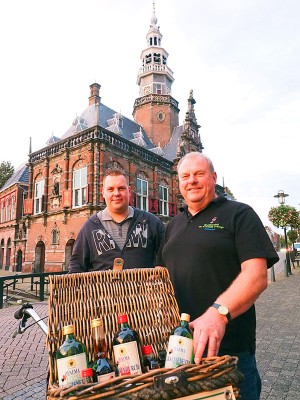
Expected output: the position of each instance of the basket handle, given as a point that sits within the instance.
(118, 264)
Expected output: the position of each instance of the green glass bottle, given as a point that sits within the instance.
(180, 346)
(103, 368)
(127, 349)
(71, 359)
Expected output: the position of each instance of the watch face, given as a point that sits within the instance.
(223, 310)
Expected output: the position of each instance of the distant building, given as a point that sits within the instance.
(64, 179)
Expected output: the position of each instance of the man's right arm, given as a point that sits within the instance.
(79, 255)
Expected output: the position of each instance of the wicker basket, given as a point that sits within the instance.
(147, 297)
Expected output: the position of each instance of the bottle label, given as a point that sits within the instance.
(106, 377)
(69, 370)
(127, 358)
(180, 351)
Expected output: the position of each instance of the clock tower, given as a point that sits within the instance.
(155, 109)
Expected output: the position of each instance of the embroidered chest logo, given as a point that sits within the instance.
(213, 225)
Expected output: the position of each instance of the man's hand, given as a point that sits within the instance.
(209, 330)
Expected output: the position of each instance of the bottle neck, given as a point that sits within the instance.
(69, 336)
(124, 325)
(100, 346)
(184, 323)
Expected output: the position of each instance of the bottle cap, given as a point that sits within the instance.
(146, 350)
(97, 322)
(85, 373)
(122, 318)
(68, 329)
(185, 317)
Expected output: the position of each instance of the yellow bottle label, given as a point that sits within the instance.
(180, 351)
(69, 370)
(127, 358)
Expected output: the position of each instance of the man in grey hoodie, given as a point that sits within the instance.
(117, 231)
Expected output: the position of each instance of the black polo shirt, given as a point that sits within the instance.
(203, 254)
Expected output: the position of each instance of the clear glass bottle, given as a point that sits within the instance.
(149, 362)
(127, 349)
(103, 368)
(180, 346)
(71, 359)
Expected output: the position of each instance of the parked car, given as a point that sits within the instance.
(297, 249)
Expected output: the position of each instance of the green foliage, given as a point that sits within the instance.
(6, 171)
(284, 216)
(292, 235)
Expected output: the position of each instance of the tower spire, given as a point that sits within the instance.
(155, 109)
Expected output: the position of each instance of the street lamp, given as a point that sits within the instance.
(287, 270)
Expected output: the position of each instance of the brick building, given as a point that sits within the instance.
(64, 179)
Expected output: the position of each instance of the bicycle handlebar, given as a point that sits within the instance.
(24, 313)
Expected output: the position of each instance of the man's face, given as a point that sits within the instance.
(196, 182)
(116, 193)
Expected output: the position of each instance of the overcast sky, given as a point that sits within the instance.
(240, 57)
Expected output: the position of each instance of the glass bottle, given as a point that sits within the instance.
(149, 362)
(87, 375)
(180, 346)
(103, 368)
(127, 349)
(71, 359)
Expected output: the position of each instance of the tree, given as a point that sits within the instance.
(292, 235)
(6, 171)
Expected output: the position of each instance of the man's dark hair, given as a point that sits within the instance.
(114, 171)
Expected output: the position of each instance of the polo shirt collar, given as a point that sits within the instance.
(106, 217)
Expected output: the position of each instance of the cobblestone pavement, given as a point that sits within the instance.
(23, 360)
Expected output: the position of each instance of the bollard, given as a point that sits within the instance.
(272, 274)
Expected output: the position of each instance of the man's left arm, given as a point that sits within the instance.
(209, 328)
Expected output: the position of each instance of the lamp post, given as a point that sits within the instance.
(287, 269)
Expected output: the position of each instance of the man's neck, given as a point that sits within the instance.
(119, 217)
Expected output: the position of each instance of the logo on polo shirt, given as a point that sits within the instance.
(212, 225)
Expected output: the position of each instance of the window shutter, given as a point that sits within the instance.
(66, 198)
(28, 206)
(172, 209)
(153, 206)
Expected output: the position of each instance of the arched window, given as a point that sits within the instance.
(55, 236)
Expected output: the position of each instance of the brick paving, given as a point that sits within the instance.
(23, 360)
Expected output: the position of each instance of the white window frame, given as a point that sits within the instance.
(79, 194)
(38, 196)
(163, 194)
(142, 194)
(158, 88)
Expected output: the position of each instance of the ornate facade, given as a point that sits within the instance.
(65, 177)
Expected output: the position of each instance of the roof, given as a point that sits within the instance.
(21, 175)
(109, 119)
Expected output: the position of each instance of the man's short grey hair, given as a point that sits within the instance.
(197, 154)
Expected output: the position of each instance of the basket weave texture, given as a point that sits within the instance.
(147, 297)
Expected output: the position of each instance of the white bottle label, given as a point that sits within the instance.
(106, 377)
(127, 358)
(180, 351)
(69, 370)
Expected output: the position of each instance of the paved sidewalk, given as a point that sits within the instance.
(23, 360)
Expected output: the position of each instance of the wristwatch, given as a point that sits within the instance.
(223, 310)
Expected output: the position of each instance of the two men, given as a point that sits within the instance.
(217, 252)
(117, 231)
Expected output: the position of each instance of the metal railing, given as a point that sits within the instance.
(37, 280)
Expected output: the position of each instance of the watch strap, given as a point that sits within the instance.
(223, 310)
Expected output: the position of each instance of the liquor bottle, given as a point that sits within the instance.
(103, 368)
(180, 346)
(71, 359)
(149, 362)
(87, 375)
(127, 349)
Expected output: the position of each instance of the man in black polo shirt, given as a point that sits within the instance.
(217, 252)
